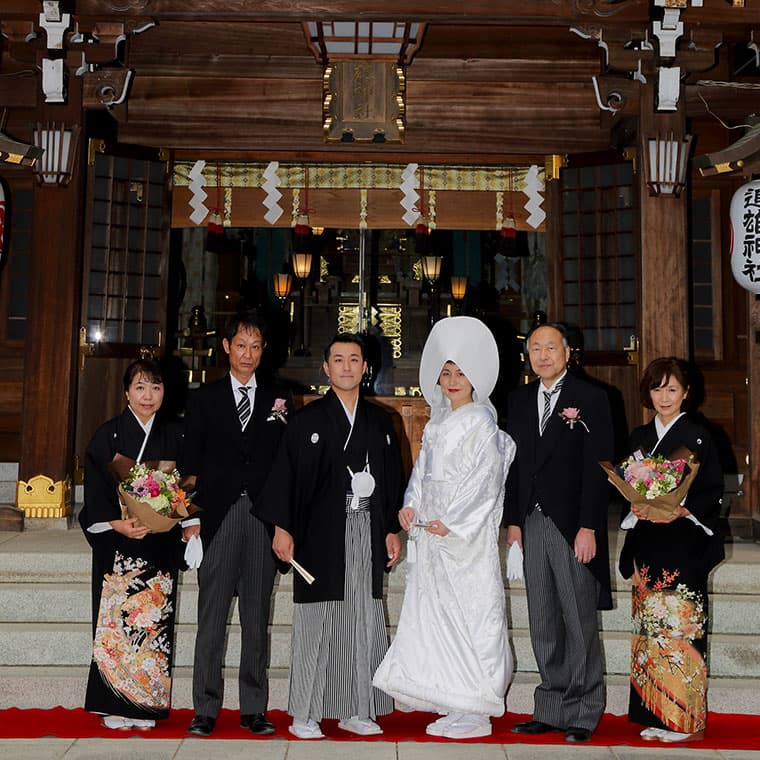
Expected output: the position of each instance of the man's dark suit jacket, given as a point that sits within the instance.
(560, 470)
(226, 459)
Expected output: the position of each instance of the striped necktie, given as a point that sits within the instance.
(548, 406)
(244, 407)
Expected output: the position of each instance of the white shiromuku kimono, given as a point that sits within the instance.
(451, 651)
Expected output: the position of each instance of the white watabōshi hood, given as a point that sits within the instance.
(468, 343)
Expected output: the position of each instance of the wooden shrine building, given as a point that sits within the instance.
(504, 158)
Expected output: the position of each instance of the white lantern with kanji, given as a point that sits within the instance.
(745, 236)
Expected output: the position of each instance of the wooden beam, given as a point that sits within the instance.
(228, 44)
(727, 102)
(549, 13)
(455, 210)
(193, 139)
(453, 117)
(544, 69)
(349, 156)
(554, 13)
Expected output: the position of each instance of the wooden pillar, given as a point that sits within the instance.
(553, 236)
(50, 354)
(752, 489)
(664, 303)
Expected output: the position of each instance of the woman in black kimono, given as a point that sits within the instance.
(669, 563)
(134, 572)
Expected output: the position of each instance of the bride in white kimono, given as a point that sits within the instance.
(451, 652)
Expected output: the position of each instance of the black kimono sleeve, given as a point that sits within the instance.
(394, 478)
(101, 499)
(704, 497)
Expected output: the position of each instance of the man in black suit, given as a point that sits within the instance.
(556, 509)
(233, 429)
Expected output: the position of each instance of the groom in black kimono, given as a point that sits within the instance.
(333, 497)
(556, 509)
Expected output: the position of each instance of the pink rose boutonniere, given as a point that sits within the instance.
(279, 411)
(572, 416)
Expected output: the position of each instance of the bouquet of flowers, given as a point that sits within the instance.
(654, 485)
(152, 492)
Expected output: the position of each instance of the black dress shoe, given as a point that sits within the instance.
(577, 734)
(533, 727)
(201, 725)
(257, 723)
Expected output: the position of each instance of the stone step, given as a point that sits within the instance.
(51, 602)
(66, 644)
(48, 687)
(45, 639)
(64, 557)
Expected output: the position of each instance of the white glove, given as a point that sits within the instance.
(515, 563)
(194, 552)
(629, 521)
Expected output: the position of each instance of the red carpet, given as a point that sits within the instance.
(724, 731)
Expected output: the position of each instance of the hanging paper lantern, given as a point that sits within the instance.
(745, 236)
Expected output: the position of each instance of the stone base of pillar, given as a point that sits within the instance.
(48, 523)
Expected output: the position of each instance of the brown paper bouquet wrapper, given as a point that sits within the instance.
(121, 465)
(131, 507)
(661, 508)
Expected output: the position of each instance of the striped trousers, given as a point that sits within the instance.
(239, 558)
(564, 631)
(338, 645)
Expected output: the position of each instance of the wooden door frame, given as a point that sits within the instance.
(114, 356)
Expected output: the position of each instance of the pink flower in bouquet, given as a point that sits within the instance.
(638, 470)
(153, 487)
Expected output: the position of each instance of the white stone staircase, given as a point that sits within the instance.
(45, 629)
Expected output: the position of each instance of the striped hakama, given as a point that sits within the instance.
(337, 645)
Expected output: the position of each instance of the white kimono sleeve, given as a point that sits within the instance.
(481, 491)
(413, 493)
